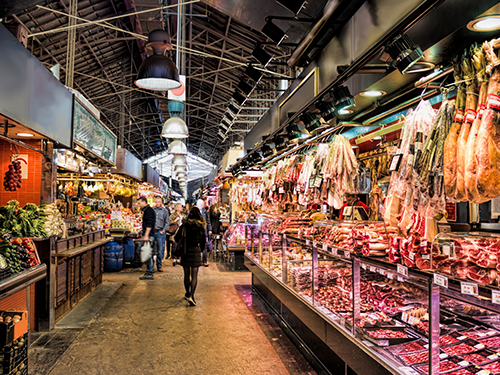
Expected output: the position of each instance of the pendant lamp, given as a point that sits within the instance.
(180, 168)
(181, 175)
(158, 72)
(175, 127)
(177, 147)
(179, 160)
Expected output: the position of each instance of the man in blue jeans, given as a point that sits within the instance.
(148, 224)
(161, 227)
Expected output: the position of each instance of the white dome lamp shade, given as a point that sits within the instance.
(180, 168)
(181, 176)
(179, 160)
(158, 72)
(175, 127)
(177, 147)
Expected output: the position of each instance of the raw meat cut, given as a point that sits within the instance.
(415, 358)
(475, 358)
(492, 342)
(482, 275)
(459, 349)
(443, 366)
(447, 340)
(461, 372)
(494, 368)
(387, 334)
(408, 347)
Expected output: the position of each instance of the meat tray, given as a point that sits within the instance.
(446, 365)
(411, 336)
(480, 332)
(491, 342)
(481, 357)
(493, 368)
(408, 347)
(471, 370)
(463, 347)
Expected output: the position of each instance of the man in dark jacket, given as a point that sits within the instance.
(161, 227)
(208, 227)
(148, 224)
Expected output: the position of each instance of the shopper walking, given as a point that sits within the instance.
(215, 224)
(148, 224)
(200, 204)
(161, 227)
(195, 242)
(175, 220)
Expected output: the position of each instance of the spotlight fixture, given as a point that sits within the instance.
(327, 110)
(175, 127)
(310, 121)
(487, 23)
(372, 93)
(342, 98)
(294, 131)
(253, 73)
(403, 51)
(234, 108)
(273, 32)
(268, 149)
(238, 98)
(177, 147)
(158, 72)
(245, 87)
(261, 56)
(294, 6)
(344, 111)
(179, 160)
(281, 141)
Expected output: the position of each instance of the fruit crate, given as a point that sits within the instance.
(20, 369)
(10, 331)
(14, 355)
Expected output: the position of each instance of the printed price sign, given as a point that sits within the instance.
(469, 288)
(314, 243)
(412, 320)
(308, 242)
(441, 280)
(447, 250)
(495, 296)
(364, 266)
(382, 271)
(411, 255)
(426, 256)
(401, 279)
(373, 269)
(325, 247)
(347, 254)
(281, 190)
(335, 250)
(390, 275)
(404, 317)
(403, 270)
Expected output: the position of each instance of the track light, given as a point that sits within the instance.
(294, 6)
(253, 73)
(342, 98)
(281, 141)
(245, 87)
(158, 72)
(327, 110)
(238, 98)
(273, 32)
(261, 56)
(310, 121)
(403, 51)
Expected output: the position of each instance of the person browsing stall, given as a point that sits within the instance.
(161, 227)
(148, 224)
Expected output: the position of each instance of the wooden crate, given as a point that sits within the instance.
(62, 283)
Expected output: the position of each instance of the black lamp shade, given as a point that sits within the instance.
(294, 6)
(404, 52)
(262, 56)
(159, 41)
(342, 98)
(273, 32)
(245, 87)
(238, 98)
(253, 73)
(158, 73)
(327, 110)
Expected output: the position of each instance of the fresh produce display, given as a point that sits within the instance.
(387, 334)
(19, 254)
(54, 223)
(415, 358)
(28, 221)
(12, 179)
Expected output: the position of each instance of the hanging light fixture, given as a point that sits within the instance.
(177, 147)
(403, 52)
(179, 168)
(294, 6)
(158, 72)
(245, 87)
(310, 121)
(342, 99)
(175, 108)
(179, 160)
(238, 98)
(175, 127)
(181, 175)
(327, 110)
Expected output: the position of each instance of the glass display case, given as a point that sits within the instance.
(392, 312)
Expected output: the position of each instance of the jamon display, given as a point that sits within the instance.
(477, 358)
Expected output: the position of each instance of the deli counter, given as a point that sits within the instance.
(361, 311)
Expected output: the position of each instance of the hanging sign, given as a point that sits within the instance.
(179, 93)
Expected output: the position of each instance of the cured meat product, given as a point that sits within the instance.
(415, 358)
(470, 115)
(482, 275)
(475, 358)
(494, 368)
(387, 334)
(471, 191)
(492, 342)
(460, 268)
(447, 340)
(443, 366)
(488, 142)
(408, 347)
(459, 349)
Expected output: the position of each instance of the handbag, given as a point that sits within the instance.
(180, 247)
(146, 251)
(209, 245)
(172, 229)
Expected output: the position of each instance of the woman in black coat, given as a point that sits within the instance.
(195, 244)
(216, 227)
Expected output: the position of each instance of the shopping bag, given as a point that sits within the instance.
(146, 251)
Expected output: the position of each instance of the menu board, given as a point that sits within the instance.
(90, 133)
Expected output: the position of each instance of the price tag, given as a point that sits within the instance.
(441, 280)
(412, 320)
(426, 346)
(390, 275)
(463, 363)
(470, 289)
(492, 357)
(403, 270)
(382, 271)
(408, 371)
(347, 254)
(364, 266)
(483, 372)
(373, 269)
(325, 247)
(479, 346)
(314, 243)
(447, 250)
(308, 242)
(495, 296)
(281, 190)
(461, 338)
(335, 250)
(411, 255)
(383, 343)
(401, 279)
(342, 322)
(443, 356)
(404, 317)
(426, 256)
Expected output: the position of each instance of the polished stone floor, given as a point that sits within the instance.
(146, 327)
